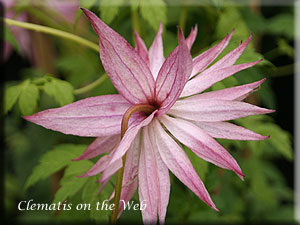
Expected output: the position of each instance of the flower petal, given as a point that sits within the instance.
(129, 183)
(237, 93)
(98, 167)
(99, 146)
(214, 110)
(126, 69)
(173, 75)
(204, 59)
(129, 136)
(141, 48)
(91, 117)
(178, 162)
(230, 131)
(203, 145)
(156, 53)
(192, 37)
(207, 79)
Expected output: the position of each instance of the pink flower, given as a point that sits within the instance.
(146, 78)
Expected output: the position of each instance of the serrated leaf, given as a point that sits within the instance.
(71, 183)
(28, 98)
(11, 96)
(154, 12)
(53, 161)
(199, 164)
(60, 90)
(109, 9)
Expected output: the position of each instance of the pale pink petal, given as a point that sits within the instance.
(230, 58)
(141, 48)
(156, 53)
(204, 59)
(110, 170)
(98, 167)
(99, 146)
(227, 130)
(179, 164)
(203, 145)
(129, 183)
(163, 179)
(173, 76)
(207, 79)
(127, 71)
(192, 37)
(148, 180)
(92, 117)
(214, 110)
(237, 93)
(129, 136)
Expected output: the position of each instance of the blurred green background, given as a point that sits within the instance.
(38, 161)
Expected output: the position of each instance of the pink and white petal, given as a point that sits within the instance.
(237, 93)
(173, 76)
(230, 131)
(163, 179)
(179, 164)
(129, 136)
(204, 59)
(214, 110)
(141, 48)
(230, 58)
(110, 170)
(148, 180)
(90, 117)
(127, 71)
(129, 183)
(192, 37)
(156, 53)
(203, 145)
(207, 79)
(100, 146)
(98, 167)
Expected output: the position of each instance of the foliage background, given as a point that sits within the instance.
(38, 161)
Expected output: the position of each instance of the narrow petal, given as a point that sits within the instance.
(192, 37)
(141, 48)
(204, 59)
(110, 170)
(230, 58)
(91, 117)
(178, 162)
(203, 145)
(129, 136)
(230, 131)
(100, 146)
(148, 180)
(207, 79)
(173, 76)
(163, 179)
(156, 53)
(130, 183)
(98, 167)
(237, 93)
(126, 69)
(214, 110)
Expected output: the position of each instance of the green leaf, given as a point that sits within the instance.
(60, 90)
(28, 98)
(11, 39)
(71, 183)
(282, 24)
(199, 164)
(87, 3)
(53, 161)
(154, 12)
(109, 9)
(11, 96)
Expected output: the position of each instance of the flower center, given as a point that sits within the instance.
(148, 109)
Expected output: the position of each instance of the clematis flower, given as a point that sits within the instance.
(168, 107)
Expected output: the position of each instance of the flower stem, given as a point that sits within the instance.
(124, 126)
(52, 31)
(90, 86)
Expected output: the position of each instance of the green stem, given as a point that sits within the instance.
(89, 87)
(52, 31)
(182, 18)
